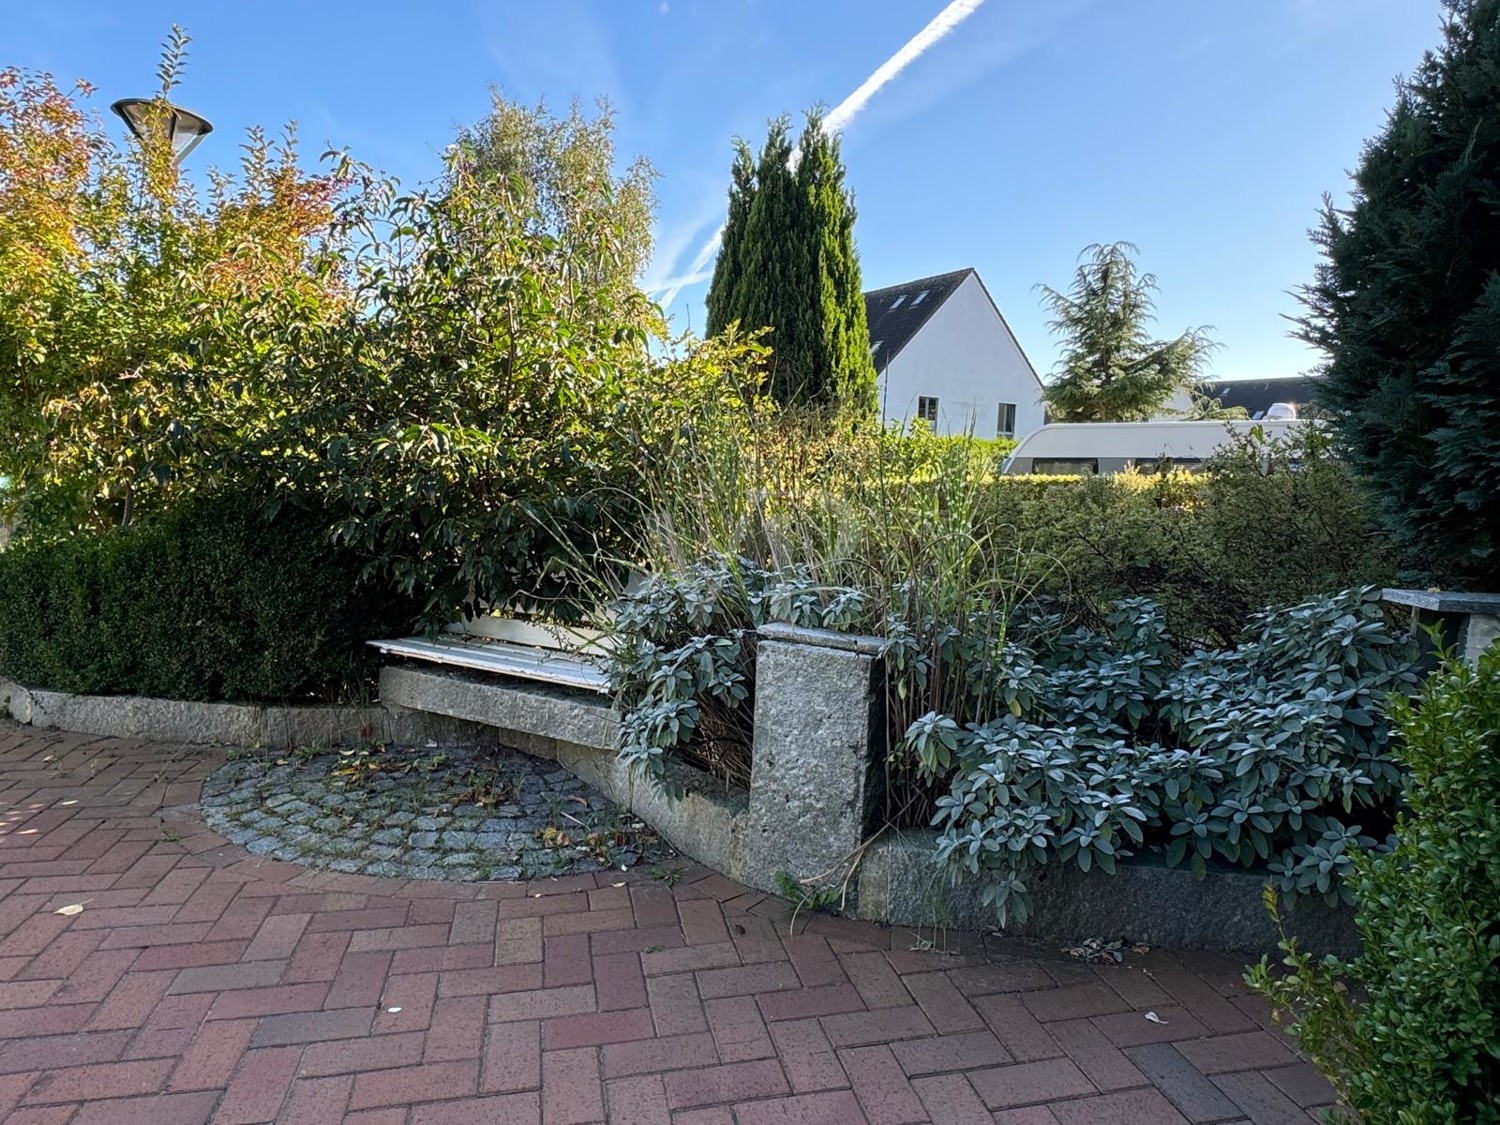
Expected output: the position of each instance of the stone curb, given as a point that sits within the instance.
(731, 831)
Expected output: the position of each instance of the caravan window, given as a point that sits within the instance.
(1066, 466)
(1169, 464)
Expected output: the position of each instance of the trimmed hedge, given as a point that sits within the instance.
(1210, 548)
(213, 601)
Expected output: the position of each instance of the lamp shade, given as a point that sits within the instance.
(184, 127)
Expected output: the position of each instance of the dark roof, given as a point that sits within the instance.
(1257, 395)
(891, 328)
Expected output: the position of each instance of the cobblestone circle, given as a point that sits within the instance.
(467, 815)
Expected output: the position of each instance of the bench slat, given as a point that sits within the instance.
(506, 658)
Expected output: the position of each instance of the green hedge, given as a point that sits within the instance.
(212, 601)
(1409, 1031)
(1210, 548)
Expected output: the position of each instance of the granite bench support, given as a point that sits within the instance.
(1467, 623)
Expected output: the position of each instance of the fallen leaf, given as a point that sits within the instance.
(618, 884)
(69, 911)
(1154, 1018)
(393, 1011)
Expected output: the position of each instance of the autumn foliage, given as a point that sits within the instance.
(130, 300)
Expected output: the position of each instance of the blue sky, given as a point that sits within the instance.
(1203, 131)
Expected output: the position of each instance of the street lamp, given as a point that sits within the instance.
(184, 127)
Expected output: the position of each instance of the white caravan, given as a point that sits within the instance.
(1085, 448)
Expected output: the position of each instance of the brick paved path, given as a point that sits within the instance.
(202, 984)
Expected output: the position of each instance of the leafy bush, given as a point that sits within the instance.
(211, 601)
(1107, 745)
(1270, 754)
(912, 538)
(1413, 1037)
(684, 661)
(133, 307)
(479, 417)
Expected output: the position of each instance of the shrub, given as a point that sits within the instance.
(684, 660)
(1056, 745)
(133, 306)
(1105, 745)
(211, 601)
(913, 538)
(1421, 1042)
(1269, 522)
(480, 416)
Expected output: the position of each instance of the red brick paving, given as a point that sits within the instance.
(202, 984)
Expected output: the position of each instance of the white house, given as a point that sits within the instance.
(944, 353)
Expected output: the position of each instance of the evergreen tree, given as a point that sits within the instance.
(729, 268)
(1111, 370)
(789, 263)
(837, 361)
(1406, 305)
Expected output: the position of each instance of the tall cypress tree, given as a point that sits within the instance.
(1406, 305)
(839, 365)
(729, 268)
(788, 262)
(771, 292)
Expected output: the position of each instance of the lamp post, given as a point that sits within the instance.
(184, 127)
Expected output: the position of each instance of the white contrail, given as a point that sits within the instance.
(942, 23)
(681, 282)
(673, 286)
(846, 111)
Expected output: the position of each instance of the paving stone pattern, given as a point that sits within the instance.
(412, 813)
(201, 983)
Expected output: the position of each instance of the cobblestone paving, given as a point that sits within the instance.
(414, 813)
(200, 983)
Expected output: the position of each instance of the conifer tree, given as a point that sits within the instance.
(1406, 305)
(788, 263)
(838, 361)
(1111, 370)
(729, 268)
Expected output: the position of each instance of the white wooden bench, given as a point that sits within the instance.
(553, 654)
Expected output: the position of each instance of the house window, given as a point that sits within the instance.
(919, 298)
(896, 304)
(1005, 423)
(927, 409)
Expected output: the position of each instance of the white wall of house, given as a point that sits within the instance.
(1178, 405)
(966, 358)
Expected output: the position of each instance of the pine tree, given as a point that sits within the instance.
(1406, 305)
(1111, 370)
(788, 263)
